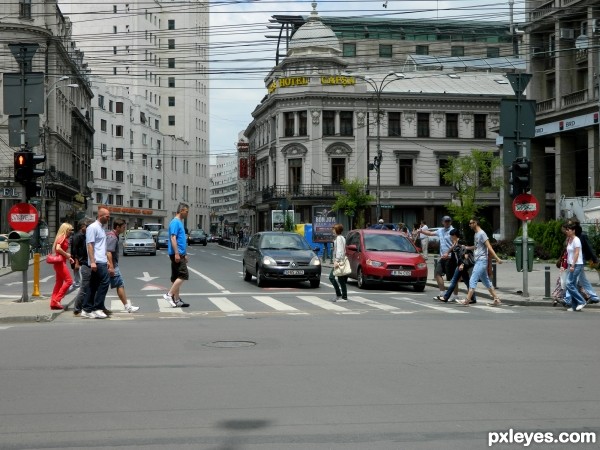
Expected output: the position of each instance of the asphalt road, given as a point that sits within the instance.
(365, 377)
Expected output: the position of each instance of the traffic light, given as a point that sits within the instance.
(520, 176)
(26, 172)
(22, 166)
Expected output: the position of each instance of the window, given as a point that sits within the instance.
(422, 50)
(110, 199)
(103, 125)
(119, 200)
(101, 101)
(405, 169)
(158, 148)
(338, 170)
(493, 52)
(119, 175)
(288, 124)
(99, 198)
(346, 125)
(115, 9)
(118, 153)
(443, 164)
(119, 130)
(171, 82)
(171, 121)
(119, 108)
(294, 174)
(171, 63)
(114, 50)
(25, 9)
(457, 50)
(171, 24)
(103, 173)
(144, 139)
(144, 180)
(328, 123)
(114, 30)
(385, 50)
(422, 124)
(394, 124)
(349, 50)
(140, 203)
(171, 101)
(103, 148)
(156, 125)
(479, 130)
(171, 44)
(110, 106)
(451, 125)
(302, 121)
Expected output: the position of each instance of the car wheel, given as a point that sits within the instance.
(260, 281)
(204, 244)
(315, 283)
(247, 275)
(153, 254)
(419, 287)
(361, 279)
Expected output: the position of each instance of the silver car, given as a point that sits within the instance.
(139, 242)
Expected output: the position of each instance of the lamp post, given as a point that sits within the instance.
(378, 87)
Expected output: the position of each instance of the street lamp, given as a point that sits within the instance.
(378, 87)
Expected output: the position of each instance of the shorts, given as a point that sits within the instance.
(179, 269)
(445, 267)
(117, 280)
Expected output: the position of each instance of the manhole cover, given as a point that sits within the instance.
(231, 344)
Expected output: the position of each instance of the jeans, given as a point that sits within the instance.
(84, 288)
(458, 274)
(99, 282)
(480, 273)
(343, 293)
(572, 279)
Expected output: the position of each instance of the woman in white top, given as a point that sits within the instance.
(575, 267)
(339, 253)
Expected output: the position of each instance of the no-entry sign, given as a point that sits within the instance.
(525, 206)
(23, 217)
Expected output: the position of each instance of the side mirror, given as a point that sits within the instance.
(352, 247)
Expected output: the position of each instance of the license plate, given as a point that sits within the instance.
(401, 273)
(293, 272)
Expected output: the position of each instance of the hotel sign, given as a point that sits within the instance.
(337, 80)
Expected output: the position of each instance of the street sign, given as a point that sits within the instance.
(525, 207)
(23, 217)
(525, 110)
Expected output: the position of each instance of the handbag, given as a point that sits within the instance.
(53, 258)
(343, 269)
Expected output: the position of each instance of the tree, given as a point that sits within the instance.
(471, 174)
(354, 201)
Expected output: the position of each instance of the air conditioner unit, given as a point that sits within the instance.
(566, 33)
(537, 52)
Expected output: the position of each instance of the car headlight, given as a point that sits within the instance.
(421, 265)
(373, 263)
(315, 261)
(268, 261)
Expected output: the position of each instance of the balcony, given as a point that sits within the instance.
(301, 191)
(546, 105)
(574, 98)
(544, 10)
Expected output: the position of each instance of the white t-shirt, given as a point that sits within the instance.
(424, 236)
(571, 246)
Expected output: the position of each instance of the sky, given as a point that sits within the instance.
(241, 55)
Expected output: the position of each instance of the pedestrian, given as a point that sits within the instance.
(339, 254)
(445, 265)
(575, 267)
(95, 239)
(75, 266)
(63, 277)
(464, 262)
(112, 256)
(177, 253)
(79, 252)
(424, 239)
(379, 226)
(588, 254)
(482, 249)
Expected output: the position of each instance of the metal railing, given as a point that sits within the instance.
(300, 191)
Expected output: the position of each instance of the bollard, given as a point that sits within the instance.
(547, 281)
(36, 275)
(494, 274)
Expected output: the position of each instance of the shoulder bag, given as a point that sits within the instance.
(54, 258)
(343, 269)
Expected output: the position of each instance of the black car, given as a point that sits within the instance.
(197, 237)
(162, 239)
(281, 255)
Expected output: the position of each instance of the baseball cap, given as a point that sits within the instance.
(380, 220)
(446, 219)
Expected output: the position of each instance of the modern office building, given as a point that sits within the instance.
(224, 199)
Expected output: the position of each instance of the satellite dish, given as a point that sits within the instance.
(582, 42)
(90, 184)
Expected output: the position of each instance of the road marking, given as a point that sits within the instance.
(374, 304)
(493, 309)
(330, 306)
(225, 305)
(236, 260)
(275, 304)
(209, 280)
(165, 307)
(146, 277)
(437, 308)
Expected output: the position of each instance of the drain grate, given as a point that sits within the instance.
(230, 344)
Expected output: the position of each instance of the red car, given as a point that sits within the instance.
(383, 256)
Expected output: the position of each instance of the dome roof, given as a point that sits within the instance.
(314, 35)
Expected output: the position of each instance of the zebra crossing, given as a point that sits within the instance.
(232, 304)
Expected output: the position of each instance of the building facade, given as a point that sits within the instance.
(224, 197)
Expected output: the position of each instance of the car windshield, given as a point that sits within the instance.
(388, 243)
(163, 233)
(138, 235)
(283, 242)
(152, 227)
(197, 233)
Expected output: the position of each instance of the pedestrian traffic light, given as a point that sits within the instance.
(31, 189)
(26, 172)
(520, 178)
(22, 166)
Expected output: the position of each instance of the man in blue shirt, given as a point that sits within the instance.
(177, 246)
(446, 265)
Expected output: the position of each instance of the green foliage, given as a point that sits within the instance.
(288, 224)
(354, 201)
(548, 237)
(594, 237)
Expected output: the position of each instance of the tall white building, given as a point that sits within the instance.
(157, 52)
(224, 195)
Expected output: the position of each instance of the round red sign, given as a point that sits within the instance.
(23, 217)
(525, 206)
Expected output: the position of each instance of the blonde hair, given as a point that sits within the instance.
(64, 230)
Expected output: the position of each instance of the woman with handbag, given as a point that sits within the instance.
(464, 262)
(63, 275)
(340, 265)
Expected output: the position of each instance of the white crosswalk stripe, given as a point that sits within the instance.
(314, 300)
(225, 305)
(374, 304)
(165, 307)
(443, 309)
(273, 303)
(491, 309)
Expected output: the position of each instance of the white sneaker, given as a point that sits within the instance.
(169, 298)
(99, 314)
(579, 307)
(87, 315)
(130, 308)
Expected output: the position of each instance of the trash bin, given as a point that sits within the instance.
(18, 246)
(519, 253)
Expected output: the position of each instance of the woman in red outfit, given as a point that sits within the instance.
(63, 275)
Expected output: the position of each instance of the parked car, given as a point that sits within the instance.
(139, 242)
(382, 256)
(280, 255)
(162, 239)
(197, 237)
(3, 242)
